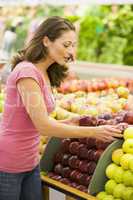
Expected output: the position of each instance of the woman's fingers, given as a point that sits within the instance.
(113, 129)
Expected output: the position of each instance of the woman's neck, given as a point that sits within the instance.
(43, 65)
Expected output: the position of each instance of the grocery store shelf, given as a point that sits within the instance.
(69, 191)
(87, 70)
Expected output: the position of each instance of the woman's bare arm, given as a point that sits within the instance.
(33, 100)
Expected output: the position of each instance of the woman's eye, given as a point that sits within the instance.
(66, 45)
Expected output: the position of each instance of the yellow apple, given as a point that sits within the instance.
(125, 159)
(101, 195)
(122, 92)
(128, 193)
(116, 156)
(122, 102)
(131, 165)
(110, 186)
(118, 191)
(110, 170)
(128, 133)
(118, 176)
(128, 146)
(128, 178)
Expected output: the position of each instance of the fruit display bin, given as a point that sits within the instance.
(98, 179)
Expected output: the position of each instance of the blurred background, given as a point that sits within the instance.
(105, 28)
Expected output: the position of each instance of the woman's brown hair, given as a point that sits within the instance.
(53, 28)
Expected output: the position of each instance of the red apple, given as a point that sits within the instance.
(91, 142)
(58, 169)
(65, 145)
(97, 154)
(65, 181)
(83, 166)
(83, 151)
(74, 147)
(90, 155)
(66, 171)
(88, 121)
(74, 174)
(84, 179)
(82, 188)
(73, 184)
(91, 167)
(101, 144)
(65, 159)
(57, 177)
(73, 162)
(128, 118)
(83, 140)
(101, 122)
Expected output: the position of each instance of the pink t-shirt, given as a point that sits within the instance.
(19, 139)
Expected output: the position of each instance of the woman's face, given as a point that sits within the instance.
(63, 49)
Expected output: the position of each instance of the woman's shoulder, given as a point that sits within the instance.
(25, 69)
(24, 64)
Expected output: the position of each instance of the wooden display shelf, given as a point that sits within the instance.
(70, 192)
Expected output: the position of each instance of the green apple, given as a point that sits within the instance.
(131, 165)
(117, 199)
(122, 102)
(116, 156)
(122, 92)
(91, 111)
(128, 178)
(101, 195)
(128, 193)
(109, 186)
(118, 176)
(125, 159)
(118, 191)
(128, 133)
(108, 197)
(110, 170)
(128, 146)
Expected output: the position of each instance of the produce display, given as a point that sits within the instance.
(75, 162)
(120, 171)
(97, 101)
(93, 85)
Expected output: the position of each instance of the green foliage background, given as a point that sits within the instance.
(104, 37)
(107, 37)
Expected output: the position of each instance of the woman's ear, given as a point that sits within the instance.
(46, 41)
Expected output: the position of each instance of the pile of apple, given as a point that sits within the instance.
(120, 172)
(93, 109)
(94, 85)
(92, 104)
(76, 160)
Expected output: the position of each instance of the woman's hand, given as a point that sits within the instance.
(107, 133)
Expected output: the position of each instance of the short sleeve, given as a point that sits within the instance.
(28, 72)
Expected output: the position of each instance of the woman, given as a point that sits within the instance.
(39, 66)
